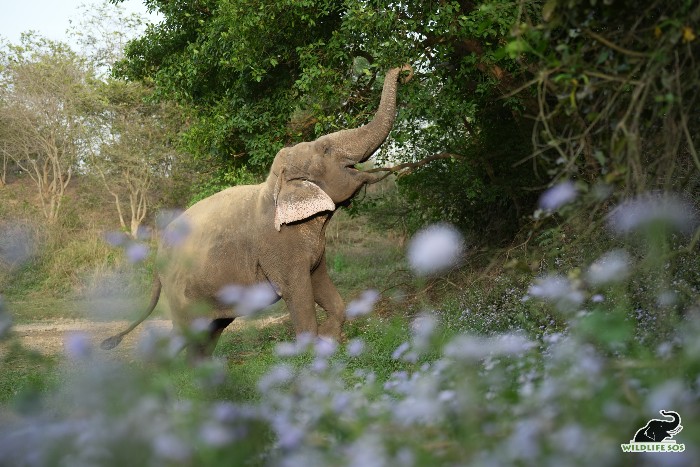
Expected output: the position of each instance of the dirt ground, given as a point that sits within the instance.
(49, 337)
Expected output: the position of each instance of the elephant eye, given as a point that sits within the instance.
(325, 148)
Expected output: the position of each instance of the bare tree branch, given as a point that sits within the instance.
(407, 166)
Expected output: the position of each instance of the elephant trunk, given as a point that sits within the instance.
(359, 144)
(676, 419)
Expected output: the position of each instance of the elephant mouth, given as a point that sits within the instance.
(351, 166)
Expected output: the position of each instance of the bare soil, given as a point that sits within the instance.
(48, 337)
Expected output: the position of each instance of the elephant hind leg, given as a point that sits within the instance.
(205, 348)
(327, 296)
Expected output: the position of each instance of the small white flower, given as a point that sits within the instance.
(5, 320)
(225, 412)
(355, 347)
(277, 376)
(319, 365)
(558, 196)
(17, 244)
(613, 266)
(286, 349)
(667, 298)
(215, 434)
(325, 347)
(77, 346)
(200, 325)
(363, 305)
(423, 328)
(136, 252)
(671, 393)
(550, 287)
(557, 289)
(230, 294)
(435, 249)
(115, 238)
(176, 232)
(157, 344)
(664, 350)
(165, 216)
(668, 209)
(289, 436)
(247, 300)
(143, 233)
(256, 298)
(172, 448)
(468, 347)
(400, 350)
(367, 451)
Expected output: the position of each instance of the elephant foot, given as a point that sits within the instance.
(330, 331)
(203, 349)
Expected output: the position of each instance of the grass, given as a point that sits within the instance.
(105, 289)
(25, 375)
(602, 368)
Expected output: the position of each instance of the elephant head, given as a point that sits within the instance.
(316, 176)
(657, 430)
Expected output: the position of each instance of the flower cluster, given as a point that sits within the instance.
(439, 394)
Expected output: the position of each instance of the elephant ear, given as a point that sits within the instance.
(296, 200)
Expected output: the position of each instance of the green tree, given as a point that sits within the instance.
(261, 75)
(617, 83)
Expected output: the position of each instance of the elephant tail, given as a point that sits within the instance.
(114, 341)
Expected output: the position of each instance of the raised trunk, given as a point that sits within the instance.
(360, 143)
(676, 419)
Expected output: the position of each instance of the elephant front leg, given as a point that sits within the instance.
(300, 303)
(327, 296)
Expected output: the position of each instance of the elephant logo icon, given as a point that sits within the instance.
(657, 431)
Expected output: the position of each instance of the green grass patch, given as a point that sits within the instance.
(24, 375)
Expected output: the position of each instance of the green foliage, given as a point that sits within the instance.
(25, 376)
(222, 180)
(256, 84)
(617, 85)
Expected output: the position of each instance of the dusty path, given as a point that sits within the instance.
(48, 336)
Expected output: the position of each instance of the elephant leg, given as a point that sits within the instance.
(298, 295)
(327, 296)
(205, 348)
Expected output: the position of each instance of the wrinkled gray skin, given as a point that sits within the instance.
(272, 233)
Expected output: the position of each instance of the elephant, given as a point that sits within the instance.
(271, 234)
(658, 430)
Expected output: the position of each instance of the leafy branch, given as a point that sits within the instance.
(408, 166)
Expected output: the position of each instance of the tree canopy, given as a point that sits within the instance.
(520, 92)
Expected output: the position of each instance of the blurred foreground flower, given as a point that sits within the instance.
(17, 244)
(136, 252)
(613, 266)
(423, 327)
(557, 289)
(557, 196)
(115, 238)
(363, 305)
(77, 346)
(159, 345)
(646, 210)
(434, 249)
(5, 320)
(247, 300)
(355, 347)
(173, 227)
(469, 347)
